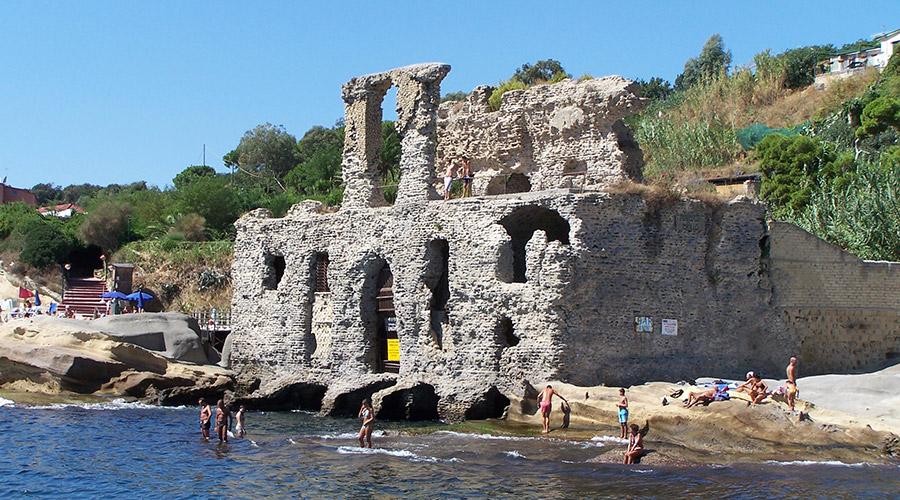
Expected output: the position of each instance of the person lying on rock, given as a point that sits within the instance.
(367, 415)
(635, 445)
(205, 418)
(719, 392)
(545, 403)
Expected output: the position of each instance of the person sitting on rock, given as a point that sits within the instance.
(758, 392)
(635, 445)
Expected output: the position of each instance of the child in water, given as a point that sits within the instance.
(205, 418)
(239, 422)
(623, 412)
(367, 415)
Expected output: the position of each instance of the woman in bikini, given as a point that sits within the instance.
(635, 445)
(367, 415)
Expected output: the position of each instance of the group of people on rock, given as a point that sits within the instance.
(224, 420)
(465, 174)
(754, 386)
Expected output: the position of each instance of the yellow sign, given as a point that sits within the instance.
(393, 346)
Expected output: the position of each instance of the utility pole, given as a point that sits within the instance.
(204, 155)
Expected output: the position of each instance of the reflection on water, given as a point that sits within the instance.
(150, 452)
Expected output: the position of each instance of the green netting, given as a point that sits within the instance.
(748, 137)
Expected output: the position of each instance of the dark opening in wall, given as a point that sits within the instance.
(389, 151)
(518, 183)
(491, 404)
(348, 403)
(416, 403)
(505, 333)
(320, 272)
(300, 396)
(377, 313)
(521, 225)
(436, 278)
(275, 266)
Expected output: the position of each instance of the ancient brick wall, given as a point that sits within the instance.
(845, 311)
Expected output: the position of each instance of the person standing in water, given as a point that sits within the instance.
(239, 422)
(635, 445)
(545, 402)
(205, 418)
(222, 417)
(622, 405)
(367, 415)
(792, 390)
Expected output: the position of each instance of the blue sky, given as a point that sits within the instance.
(120, 91)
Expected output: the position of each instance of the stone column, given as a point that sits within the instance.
(418, 97)
(362, 120)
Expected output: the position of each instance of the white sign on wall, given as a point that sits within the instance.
(670, 327)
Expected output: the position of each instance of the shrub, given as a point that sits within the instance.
(106, 226)
(190, 227)
(878, 115)
(45, 244)
(495, 99)
(670, 147)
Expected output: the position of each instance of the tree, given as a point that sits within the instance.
(542, 71)
(319, 138)
(793, 167)
(878, 115)
(74, 193)
(266, 151)
(455, 96)
(712, 61)
(496, 98)
(191, 174)
(46, 193)
(655, 89)
(106, 226)
(190, 227)
(800, 63)
(45, 244)
(211, 198)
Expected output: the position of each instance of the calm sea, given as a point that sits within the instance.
(134, 451)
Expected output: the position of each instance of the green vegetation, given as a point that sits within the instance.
(528, 75)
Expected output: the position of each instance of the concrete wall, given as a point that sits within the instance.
(844, 311)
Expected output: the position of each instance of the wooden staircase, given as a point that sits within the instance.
(83, 296)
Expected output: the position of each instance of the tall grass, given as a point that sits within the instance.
(862, 216)
(672, 147)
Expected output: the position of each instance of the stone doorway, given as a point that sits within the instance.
(387, 339)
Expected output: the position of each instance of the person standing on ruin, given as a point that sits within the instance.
(205, 418)
(367, 415)
(448, 180)
(792, 390)
(545, 402)
(466, 174)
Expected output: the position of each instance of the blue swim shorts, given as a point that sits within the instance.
(623, 415)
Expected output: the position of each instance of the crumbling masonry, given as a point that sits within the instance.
(448, 309)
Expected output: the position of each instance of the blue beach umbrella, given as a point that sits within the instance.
(140, 297)
(115, 294)
(37, 298)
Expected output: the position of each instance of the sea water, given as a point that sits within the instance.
(131, 450)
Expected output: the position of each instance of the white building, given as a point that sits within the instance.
(850, 63)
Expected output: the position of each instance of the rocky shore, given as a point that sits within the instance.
(154, 358)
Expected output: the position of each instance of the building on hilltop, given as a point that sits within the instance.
(62, 210)
(854, 62)
(450, 309)
(9, 194)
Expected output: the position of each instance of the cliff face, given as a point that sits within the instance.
(568, 134)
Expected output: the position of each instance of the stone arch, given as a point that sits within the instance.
(419, 402)
(491, 404)
(521, 225)
(418, 97)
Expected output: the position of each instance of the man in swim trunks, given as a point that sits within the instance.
(792, 390)
(545, 402)
(466, 175)
(622, 405)
(205, 418)
(448, 180)
(222, 416)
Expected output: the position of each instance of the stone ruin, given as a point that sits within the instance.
(453, 309)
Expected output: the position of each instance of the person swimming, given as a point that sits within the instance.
(545, 403)
(367, 415)
(622, 405)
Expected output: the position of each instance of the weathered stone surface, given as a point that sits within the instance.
(567, 134)
(492, 296)
(174, 335)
